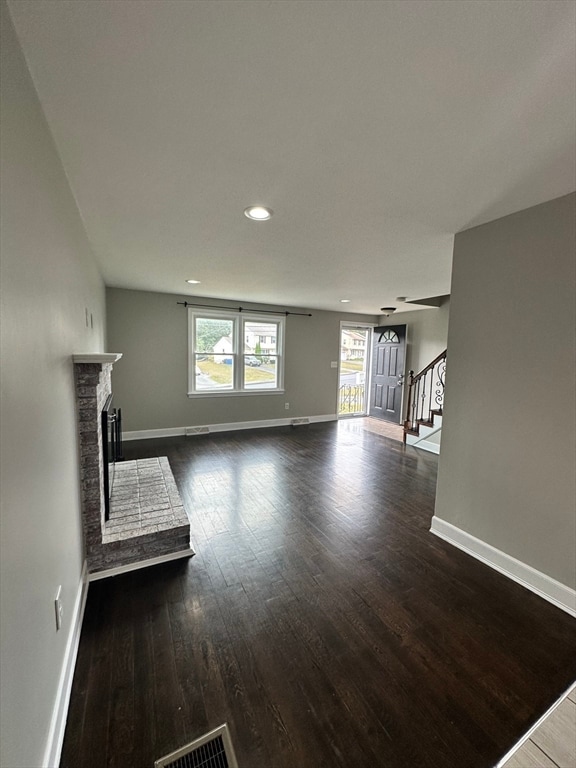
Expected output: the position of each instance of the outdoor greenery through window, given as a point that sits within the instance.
(234, 352)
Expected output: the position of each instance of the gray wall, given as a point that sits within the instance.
(427, 334)
(426, 338)
(151, 380)
(48, 278)
(506, 471)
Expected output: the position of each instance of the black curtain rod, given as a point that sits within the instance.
(244, 309)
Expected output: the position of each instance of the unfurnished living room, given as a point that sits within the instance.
(288, 333)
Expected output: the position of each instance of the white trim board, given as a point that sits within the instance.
(97, 575)
(425, 445)
(103, 358)
(145, 434)
(559, 594)
(60, 712)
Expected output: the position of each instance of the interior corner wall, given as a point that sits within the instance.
(426, 334)
(150, 382)
(506, 473)
(48, 280)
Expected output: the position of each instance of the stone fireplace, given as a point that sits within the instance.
(148, 523)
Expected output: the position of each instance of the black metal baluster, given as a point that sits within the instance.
(429, 414)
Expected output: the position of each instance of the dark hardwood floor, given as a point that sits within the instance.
(319, 618)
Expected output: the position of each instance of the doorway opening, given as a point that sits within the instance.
(355, 344)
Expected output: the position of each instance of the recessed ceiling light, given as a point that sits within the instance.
(193, 282)
(345, 301)
(258, 213)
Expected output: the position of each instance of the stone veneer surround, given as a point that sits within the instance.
(93, 386)
(107, 547)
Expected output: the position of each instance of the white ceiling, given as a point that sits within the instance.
(374, 130)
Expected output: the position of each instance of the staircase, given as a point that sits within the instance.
(424, 407)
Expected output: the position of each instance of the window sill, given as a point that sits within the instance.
(236, 393)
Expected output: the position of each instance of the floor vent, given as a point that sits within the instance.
(295, 422)
(197, 430)
(213, 750)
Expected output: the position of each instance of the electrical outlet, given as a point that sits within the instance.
(287, 406)
(58, 608)
(334, 364)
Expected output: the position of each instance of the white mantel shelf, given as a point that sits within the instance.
(105, 357)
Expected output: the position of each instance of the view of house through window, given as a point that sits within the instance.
(260, 354)
(214, 367)
(232, 351)
(354, 353)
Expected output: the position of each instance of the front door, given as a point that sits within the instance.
(387, 372)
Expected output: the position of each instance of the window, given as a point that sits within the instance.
(389, 337)
(234, 353)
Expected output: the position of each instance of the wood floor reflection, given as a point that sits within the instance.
(319, 618)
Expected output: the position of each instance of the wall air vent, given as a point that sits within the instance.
(197, 431)
(295, 422)
(213, 750)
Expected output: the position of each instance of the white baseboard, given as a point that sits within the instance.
(97, 575)
(145, 434)
(425, 445)
(430, 447)
(60, 712)
(554, 591)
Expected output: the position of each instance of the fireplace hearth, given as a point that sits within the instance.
(107, 547)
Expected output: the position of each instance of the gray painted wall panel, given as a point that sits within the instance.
(508, 456)
(48, 279)
(426, 336)
(150, 382)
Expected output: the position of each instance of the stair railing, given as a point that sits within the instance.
(425, 394)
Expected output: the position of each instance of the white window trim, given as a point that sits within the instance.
(239, 319)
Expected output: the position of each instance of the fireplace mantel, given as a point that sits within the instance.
(104, 357)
